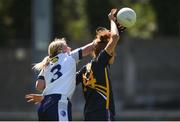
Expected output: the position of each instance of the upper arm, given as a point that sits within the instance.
(40, 85)
(40, 82)
(87, 49)
(79, 75)
(76, 54)
(113, 39)
(103, 58)
(112, 44)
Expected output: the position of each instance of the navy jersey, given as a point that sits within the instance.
(96, 84)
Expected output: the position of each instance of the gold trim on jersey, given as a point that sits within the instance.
(109, 115)
(90, 81)
(102, 87)
(107, 85)
(101, 91)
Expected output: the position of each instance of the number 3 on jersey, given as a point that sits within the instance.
(56, 72)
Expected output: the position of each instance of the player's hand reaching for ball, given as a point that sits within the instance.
(35, 98)
(112, 15)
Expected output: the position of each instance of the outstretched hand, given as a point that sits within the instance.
(111, 15)
(35, 98)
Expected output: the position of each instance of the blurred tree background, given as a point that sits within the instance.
(15, 23)
(78, 19)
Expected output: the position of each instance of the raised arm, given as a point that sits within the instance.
(114, 33)
(78, 53)
(87, 49)
(40, 85)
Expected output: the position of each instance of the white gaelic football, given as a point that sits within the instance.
(126, 17)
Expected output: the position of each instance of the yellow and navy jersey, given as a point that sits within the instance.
(96, 84)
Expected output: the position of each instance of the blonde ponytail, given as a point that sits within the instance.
(41, 65)
(55, 47)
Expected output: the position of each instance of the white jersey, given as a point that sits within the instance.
(60, 74)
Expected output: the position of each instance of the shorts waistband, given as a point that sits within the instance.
(57, 96)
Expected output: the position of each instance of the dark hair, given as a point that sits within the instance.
(103, 36)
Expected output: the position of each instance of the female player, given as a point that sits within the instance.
(95, 79)
(57, 80)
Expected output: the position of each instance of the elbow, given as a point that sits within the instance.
(40, 85)
(39, 89)
(115, 37)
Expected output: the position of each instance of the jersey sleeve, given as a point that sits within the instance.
(79, 75)
(103, 58)
(77, 54)
(41, 75)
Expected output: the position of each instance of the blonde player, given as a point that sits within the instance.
(57, 80)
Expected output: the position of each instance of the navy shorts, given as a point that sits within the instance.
(54, 108)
